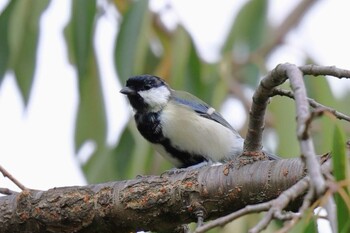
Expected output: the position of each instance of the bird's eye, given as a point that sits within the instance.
(147, 86)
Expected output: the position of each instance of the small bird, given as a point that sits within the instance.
(182, 128)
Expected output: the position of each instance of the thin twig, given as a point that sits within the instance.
(7, 191)
(228, 218)
(274, 206)
(325, 70)
(306, 204)
(281, 202)
(13, 179)
(308, 200)
(313, 103)
(284, 216)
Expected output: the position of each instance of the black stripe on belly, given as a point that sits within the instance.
(150, 128)
(187, 159)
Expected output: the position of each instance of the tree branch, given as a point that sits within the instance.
(5, 173)
(267, 88)
(325, 70)
(157, 203)
(313, 103)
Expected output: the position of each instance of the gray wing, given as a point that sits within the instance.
(204, 110)
(199, 106)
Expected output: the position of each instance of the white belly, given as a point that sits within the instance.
(199, 135)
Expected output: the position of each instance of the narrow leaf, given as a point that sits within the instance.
(132, 40)
(248, 28)
(187, 67)
(114, 162)
(4, 38)
(283, 110)
(341, 172)
(91, 117)
(23, 40)
(319, 89)
(83, 16)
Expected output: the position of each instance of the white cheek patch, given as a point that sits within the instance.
(156, 98)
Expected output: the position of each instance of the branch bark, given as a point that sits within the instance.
(157, 203)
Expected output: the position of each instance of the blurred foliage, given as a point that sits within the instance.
(341, 174)
(19, 25)
(141, 32)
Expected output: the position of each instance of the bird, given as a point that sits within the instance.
(181, 127)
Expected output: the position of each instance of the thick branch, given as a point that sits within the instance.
(149, 203)
(302, 109)
(260, 100)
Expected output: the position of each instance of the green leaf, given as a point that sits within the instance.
(132, 41)
(4, 38)
(23, 41)
(112, 163)
(318, 88)
(82, 26)
(180, 48)
(341, 172)
(187, 71)
(283, 111)
(308, 224)
(248, 29)
(91, 116)
(340, 161)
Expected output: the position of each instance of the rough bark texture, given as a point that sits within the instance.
(158, 203)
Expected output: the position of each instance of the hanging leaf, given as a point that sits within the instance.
(23, 41)
(132, 41)
(341, 172)
(283, 110)
(4, 38)
(246, 36)
(91, 116)
(247, 32)
(112, 163)
(319, 89)
(122, 5)
(188, 71)
(82, 28)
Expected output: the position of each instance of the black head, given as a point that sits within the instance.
(146, 92)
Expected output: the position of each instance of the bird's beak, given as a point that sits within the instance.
(127, 91)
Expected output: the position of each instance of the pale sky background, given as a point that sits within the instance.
(36, 145)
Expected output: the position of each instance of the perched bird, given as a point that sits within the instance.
(181, 127)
